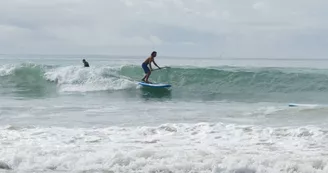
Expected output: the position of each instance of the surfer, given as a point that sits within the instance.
(86, 64)
(147, 70)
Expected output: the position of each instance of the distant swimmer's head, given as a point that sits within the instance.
(154, 54)
(83, 60)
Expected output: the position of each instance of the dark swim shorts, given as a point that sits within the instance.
(145, 68)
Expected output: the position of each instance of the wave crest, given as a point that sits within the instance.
(188, 82)
(71, 78)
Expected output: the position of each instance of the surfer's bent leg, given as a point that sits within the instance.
(147, 76)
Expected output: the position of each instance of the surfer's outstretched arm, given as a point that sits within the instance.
(151, 69)
(156, 64)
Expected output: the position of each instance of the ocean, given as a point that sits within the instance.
(222, 115)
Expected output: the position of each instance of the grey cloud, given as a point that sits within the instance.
(261, 28)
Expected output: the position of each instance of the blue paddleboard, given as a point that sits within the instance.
(154, 85)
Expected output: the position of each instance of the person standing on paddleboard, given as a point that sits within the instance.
(145, 64)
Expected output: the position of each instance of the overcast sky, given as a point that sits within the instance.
(233, 28)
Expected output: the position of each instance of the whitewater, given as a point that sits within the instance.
(220, 116)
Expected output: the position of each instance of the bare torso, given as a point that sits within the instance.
(148, 60)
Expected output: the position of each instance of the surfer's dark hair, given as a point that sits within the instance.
(154, 52)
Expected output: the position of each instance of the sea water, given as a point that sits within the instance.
(220, 116)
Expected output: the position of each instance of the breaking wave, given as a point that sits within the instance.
(206, 83)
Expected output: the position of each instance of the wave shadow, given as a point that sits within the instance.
(148, 93)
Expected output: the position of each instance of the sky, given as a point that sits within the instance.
(188, 28)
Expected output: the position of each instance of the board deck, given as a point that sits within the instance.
(154, 85)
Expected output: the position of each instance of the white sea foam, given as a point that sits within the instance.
(7, 69)
(71, 78)
(202, 147)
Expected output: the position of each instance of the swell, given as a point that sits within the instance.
(210, 83)
(25, 80)
(240, 80)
